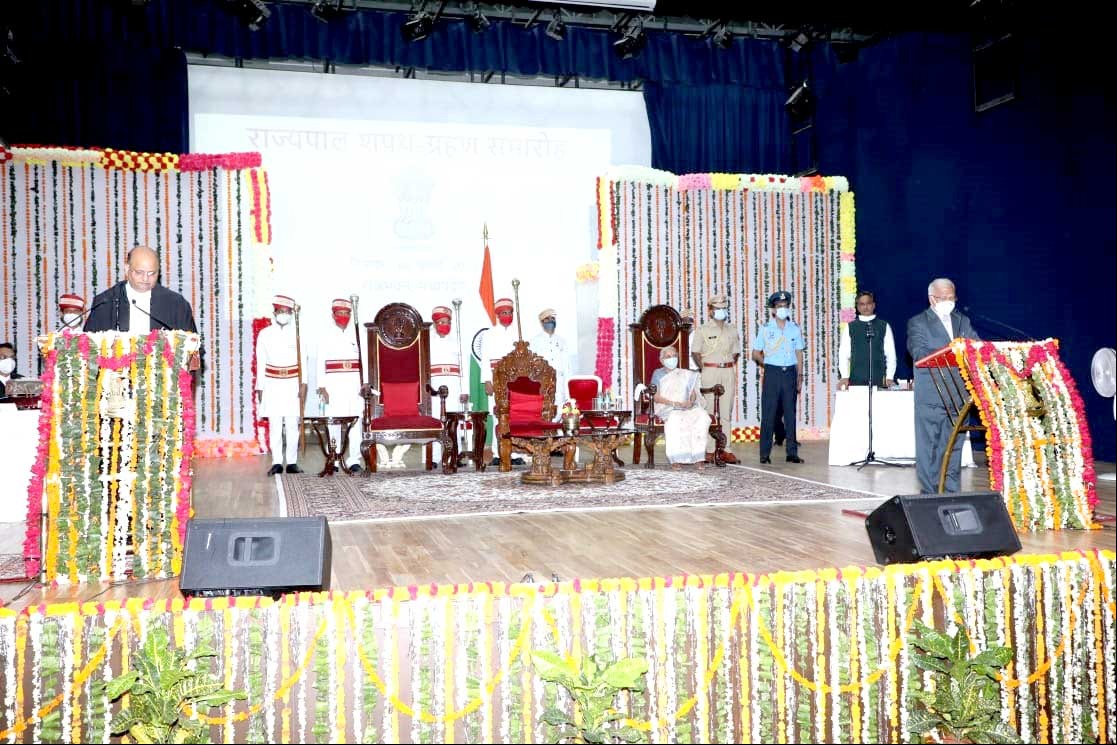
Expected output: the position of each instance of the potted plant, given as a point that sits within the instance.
(964, 704)
(571, 417)
(165, 690)
(594, 690)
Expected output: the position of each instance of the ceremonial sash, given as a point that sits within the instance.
(281, 371)
(342, 366)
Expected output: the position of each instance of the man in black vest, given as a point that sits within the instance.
(140, 304)
(867, 335)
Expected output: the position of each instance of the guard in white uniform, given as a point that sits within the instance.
(339, 378)
(446, 368)
(498, 342)
(72, 310)
(277, 385)
(551, 347)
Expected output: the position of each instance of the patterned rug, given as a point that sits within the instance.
(12, 567)
(408, 495)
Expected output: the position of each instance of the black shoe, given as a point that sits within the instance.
(765, 459)
(519, 461)
(354, 468)
(795, 459)
(292, 468)
(779, 443)
(276, 469)
(495, 462)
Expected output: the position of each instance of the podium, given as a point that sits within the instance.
(1038, 440)
(110, 489)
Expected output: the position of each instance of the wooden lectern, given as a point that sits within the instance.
(943, 367)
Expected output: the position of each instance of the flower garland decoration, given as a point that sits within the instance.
(90, 522)
(796, 656)
(1039, 448)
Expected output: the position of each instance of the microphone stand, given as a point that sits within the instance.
(871, 457)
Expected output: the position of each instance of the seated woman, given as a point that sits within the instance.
(678, 403)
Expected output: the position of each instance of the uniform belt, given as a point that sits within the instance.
(445, 369)
(782, 368)
(717, 364)
(281, 371)
(342, 366)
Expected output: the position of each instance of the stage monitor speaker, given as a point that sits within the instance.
(972, 525)
(255, 556)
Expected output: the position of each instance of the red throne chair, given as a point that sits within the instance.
(524, 399)
(399, 369)
(661, 326)
(583, 389)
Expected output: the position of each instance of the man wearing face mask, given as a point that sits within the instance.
(929, 331)
(551, 347)
(778, 349)
(497, 342)
(445, 364)
(866, 336)
(339, 378)
(7, 367)
(71, 308)
(716, 347)
(277, 384)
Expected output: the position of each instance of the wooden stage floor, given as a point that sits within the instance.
(602, 543)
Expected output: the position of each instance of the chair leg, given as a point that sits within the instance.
(430, 456)
(505, 455)
(720, 441)
(637, 443)
(649, 443)
(370, 456)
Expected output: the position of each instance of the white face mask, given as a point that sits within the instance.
(283, 318)
(720, 314)
(783, 313)
(671, 363)
(944, 308)
(7, 365)
(71, 319)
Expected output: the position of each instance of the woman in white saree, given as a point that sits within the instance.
(679, 404)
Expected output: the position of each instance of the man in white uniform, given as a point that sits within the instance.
(277, 385)
(339, 378)
(551, 347)
(446, 369)
(71, 308)
(497, 342)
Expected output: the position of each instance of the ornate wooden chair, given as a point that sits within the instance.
(524, 398)
(399, 368)
(661, 326)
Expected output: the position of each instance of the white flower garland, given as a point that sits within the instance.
(1073, 693)
(331, 647)
(388, 626)
(304, 632)
(8, 655)
(63, 156)
(1019, 639)
(66, 647)
(417, 610)
(834, 667)
(670, 618)
(813, 643)
(540, 633)
(504, 645)
(272, 673)
(725, 602)
(865, 607)
(1110, 655)
(35, 631)
(904, 657)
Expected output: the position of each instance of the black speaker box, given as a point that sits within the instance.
(971, 525)
(255, 556)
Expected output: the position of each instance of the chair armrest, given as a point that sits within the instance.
(442, 392)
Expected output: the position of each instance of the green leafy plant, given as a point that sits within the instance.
(163, 690)
(965, 704)
(594, 690)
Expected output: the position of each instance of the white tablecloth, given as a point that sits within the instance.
(893, 427)
(19, 435)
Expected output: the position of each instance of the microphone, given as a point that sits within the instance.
(1025, 336)
(159, 321)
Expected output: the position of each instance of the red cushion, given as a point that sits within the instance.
(583, 392)
(414, 421)
(524, 407)
(400, 399)
(397, 365)
(525, 385)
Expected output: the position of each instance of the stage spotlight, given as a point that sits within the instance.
(556, 29)
(800, 104)
(800, 40)
(252, 13)
(418, 27)
(327, 10)
(477, 21)
(632, 42)
(723, 38)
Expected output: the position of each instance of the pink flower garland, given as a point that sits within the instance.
(228, 161)
(32, 557)
(606, 333)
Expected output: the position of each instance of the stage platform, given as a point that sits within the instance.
(629, 542)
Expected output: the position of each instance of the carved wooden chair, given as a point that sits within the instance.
(524, 399)
(661, 326)
(398, 353)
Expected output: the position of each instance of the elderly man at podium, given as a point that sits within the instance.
(931, 330)
(155, 306)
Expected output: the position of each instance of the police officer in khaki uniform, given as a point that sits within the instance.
(715, 348)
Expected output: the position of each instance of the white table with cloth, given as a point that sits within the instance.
(893, 427)
(19, 435)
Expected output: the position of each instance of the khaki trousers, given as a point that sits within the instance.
(727, 377)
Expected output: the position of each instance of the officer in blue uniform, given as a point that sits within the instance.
(778, 349)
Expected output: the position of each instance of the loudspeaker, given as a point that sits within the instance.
(255, 556)
(972, 525)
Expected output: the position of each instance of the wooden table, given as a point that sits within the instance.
(479, 420)
(620, 415)
(602, 442)
(335, 456)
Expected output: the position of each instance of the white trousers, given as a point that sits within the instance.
(353, 455)
(276, 425)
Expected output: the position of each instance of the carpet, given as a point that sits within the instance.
(12, 567)
(415, 494)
